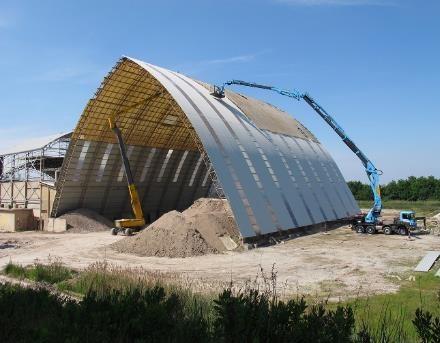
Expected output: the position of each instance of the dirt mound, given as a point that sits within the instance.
(206, 227)
(437, 217)
(209, 205)
(170, 235)
(85, 220)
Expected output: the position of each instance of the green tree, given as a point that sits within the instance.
(413, 189)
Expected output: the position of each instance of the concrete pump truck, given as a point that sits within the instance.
(362, 223)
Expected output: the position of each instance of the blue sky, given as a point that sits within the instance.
(373, 64)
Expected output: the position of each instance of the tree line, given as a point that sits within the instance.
(412, 188)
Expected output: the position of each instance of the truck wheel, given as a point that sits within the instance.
(128, 232)
(387, 230)
(402, 231)
(114, 231)
(371, 229)
(359, 229)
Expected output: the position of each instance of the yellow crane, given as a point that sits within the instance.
(129, 224)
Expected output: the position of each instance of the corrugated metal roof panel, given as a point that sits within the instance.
(274, 179)
(426, 263)
(266, 116)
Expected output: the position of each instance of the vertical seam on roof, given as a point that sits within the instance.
(265, 160)
(292, 177)
(234, 176)
(340, 178)
(243, 151)
(307, 182)
(324, 168)
(312, 168)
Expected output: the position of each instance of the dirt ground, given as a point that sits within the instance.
(337, 264)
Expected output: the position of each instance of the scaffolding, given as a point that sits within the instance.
(23, 168)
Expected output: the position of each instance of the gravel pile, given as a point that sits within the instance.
(85, 220)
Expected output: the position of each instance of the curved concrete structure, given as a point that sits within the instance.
(181, 141)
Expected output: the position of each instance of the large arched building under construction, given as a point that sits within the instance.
(184, 144)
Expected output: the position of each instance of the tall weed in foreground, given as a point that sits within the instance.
(15, 270)
(385, 326)
(36, 315)
(124, 305)
(428, 326)
(251, 316)
(103, 277)
(256, 314)
(149, 315)
(30, 315)
(52, 272)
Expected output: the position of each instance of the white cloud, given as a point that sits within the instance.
(339, 2)
(234, 59)
(78, 74)
(198, 67)
(194, 68)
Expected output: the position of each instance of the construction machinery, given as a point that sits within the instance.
(403, 224)
(369, 222)
(131, 224)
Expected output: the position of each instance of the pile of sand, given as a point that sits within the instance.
(85, 220)
(207, 227)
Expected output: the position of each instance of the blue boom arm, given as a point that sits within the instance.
(372, 172)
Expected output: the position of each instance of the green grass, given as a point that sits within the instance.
(397, 310)
(387, 317)
(53, 273)
(15, 271)
(423, 208)
(102, 278)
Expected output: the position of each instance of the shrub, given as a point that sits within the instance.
(251, 316)
(30, 315)
(150, 316)
(118, 307)
(427, 326)
(15, 270)
(53, 272)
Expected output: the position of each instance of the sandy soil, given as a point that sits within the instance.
(201, 229)
(339, 263)
(85, 220)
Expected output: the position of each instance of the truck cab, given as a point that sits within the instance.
(409, 218)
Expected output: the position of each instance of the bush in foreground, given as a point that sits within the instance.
(153, 315)
(427, 326)
(117, 306)
(254, 317)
